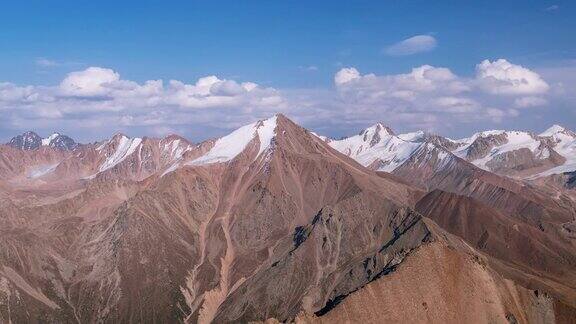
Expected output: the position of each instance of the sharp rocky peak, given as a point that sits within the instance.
(26, 141)
(378, 128)
(31, 141)
(375, 133)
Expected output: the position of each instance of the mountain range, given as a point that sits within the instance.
(273, 222)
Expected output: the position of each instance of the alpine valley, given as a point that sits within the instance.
(274, 223)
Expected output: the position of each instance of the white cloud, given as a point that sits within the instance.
(437, 91)
(346, 75)
(99, 98)
(94, 81)
(98, 101)
(308, 68)
(421, 80)
(553, 8)
(526, 102)
(456, 104)
(11, 93)
(498, 115)
(503, 77)
(412, 45)
(44, 62)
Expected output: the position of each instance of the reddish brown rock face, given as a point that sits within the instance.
(271, 222)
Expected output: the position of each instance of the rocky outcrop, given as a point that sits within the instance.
(63, 142)
(26, 141)
(428, 288)
(483, 144)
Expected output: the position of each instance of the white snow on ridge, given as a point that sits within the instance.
(469, 140)
(126, 146)
(266, 133)
(174, 150)
(553, 130)
(413, 136)
(516, 140)
(393, 150)
(366, 149)
(323, 138)
(565, 146)
(228, 147)
(46, 141)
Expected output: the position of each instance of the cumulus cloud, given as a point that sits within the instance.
(12, 93)
(412, 45)
(503, 77)
(407, 87)
(93, 81)
(96, 102)
(552, 8)
(491, 95)
(346, 75)
(526, 102)
(98, 97)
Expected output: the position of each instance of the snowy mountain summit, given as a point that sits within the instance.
(32, 141)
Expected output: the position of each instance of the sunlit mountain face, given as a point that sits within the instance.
(288, 162)
(216, 231)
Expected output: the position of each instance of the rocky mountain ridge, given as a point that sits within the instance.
(273, 222)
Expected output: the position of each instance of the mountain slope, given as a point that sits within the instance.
(271, 221)
(440, 284)
(208, 241)
(521, 251)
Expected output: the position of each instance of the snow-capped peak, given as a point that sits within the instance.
(376, 143)
(229, 146)
(46, 141)
(554, 129)
(471, 139)
(378, 128)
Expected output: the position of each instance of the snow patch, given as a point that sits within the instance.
(46, 141)
(412, 137)
(469, 140)
(566, 147)
(516, 141)
(376, 143)
(172, 168)
(126, 146)
(323, 138)
(229, 146)
(554, 129)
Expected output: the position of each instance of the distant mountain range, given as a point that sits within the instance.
(273, 222)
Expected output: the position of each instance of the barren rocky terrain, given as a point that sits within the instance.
(275, 223)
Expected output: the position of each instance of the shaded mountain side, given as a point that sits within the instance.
(534, 258)
(528, 203)
(557, 184)
(323, 262)
(14, 161)
(440, 284)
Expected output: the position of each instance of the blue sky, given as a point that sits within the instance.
(294, 47)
